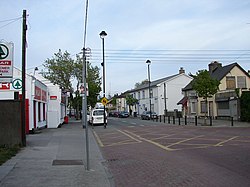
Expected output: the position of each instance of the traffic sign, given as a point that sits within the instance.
(6, 61)
(104, 101)
(5, 86)
(17, 84)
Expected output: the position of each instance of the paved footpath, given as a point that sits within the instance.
(56, 157)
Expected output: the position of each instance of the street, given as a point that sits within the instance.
(145, 153)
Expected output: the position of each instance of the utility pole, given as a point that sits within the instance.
(23, 105)
(84, 106)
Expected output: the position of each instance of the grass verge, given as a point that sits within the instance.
(6, 152)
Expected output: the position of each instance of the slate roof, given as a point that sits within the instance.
(152, 84)
(219, 73)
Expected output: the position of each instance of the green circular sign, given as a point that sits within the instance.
(17, 84)
(4, 51)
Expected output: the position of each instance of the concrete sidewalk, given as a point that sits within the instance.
(56, 157)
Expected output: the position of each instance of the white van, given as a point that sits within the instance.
(97, 117)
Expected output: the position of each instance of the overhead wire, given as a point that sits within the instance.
(167, 56)
(10, 21)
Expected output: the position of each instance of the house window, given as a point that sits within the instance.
(241, 82)
(139, 95)
(203, 107)
(151, 93)
(143, 94)
(230, 81)
(193, 107)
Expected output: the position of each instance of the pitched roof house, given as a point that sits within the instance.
(164, 94)
(224, 103)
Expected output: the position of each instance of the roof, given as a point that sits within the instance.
(183, 101)
(219, 73)
(152, 84)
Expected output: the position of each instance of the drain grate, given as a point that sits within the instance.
(67, 162)
(112, 160)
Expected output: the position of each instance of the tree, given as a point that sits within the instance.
(60, 69)
(131, 101)
(245, 107)
(93, 80)
(205, 86)
(141, 83)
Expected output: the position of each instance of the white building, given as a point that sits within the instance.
(165, 94)
(44, 104)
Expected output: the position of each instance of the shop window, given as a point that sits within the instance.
(44, 112)
(39, 111)
(223, 105)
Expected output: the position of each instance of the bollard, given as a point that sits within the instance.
(179, 121)
(196, 120)
(156, 118)
(232, 121)
(210, 120)
(185, 120)
(173, 120)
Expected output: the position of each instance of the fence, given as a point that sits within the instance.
(195, 121)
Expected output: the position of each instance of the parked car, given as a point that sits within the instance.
(146, 115)
(97, 117)
(123, 114)
(113, 114)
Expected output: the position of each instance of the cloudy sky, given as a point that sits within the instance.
(170, 33)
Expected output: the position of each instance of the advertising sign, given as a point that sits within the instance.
(6, 61)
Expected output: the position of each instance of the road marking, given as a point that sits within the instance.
(129, 136)
(149, 141)
(185, 140)
(122, 143)
(162, 137)
(225, 141)
(98, 139)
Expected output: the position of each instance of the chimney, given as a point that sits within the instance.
(213, 66)
(181, 70)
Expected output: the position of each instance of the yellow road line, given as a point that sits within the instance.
(129, 136)
(149, 141)
(125, 142)
(98, 139)
(185, 140)
(161, 137)
(221, 143)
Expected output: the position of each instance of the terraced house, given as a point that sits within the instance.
(164, 94)
(234, 80)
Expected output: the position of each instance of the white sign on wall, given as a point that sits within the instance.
(6, 61)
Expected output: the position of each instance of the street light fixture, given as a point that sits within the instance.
(149, 89)
(103, 34)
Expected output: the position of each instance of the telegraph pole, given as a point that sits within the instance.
(23, 105)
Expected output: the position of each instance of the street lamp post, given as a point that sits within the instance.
(149, 89)
(103, 34)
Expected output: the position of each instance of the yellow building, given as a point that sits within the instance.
(225, 103)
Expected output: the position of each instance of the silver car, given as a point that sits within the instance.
(146, 115)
